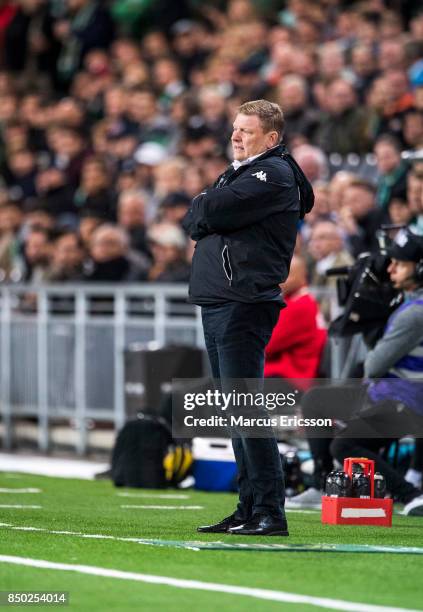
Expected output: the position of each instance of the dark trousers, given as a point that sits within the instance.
(236, 335)
(364, 420)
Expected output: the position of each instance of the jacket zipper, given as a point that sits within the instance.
(227, 268)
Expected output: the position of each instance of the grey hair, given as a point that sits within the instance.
(120, 232)
(129, 194)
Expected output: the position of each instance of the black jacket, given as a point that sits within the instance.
(245, 227)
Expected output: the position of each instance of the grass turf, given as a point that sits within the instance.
(95, 508)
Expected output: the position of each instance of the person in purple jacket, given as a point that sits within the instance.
(394, 407)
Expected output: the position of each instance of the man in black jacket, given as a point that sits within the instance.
(245, 227)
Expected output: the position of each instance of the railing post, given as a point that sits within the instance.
(80, 367)
(160, 317)
(5, 361)
(119, 347)
(42, 370)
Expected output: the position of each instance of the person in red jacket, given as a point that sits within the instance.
(295, 348)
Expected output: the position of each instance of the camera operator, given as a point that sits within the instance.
(394, 404)
(389, 408)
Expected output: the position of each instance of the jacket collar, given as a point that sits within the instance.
(277, 150)
(416, 294)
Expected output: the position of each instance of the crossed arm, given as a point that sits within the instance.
(241, 204)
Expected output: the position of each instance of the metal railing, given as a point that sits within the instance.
(62, 349)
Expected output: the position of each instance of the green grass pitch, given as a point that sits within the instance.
(95, 508)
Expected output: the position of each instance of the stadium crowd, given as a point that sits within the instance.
(114, 115)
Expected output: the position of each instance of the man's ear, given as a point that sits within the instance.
(272, 139)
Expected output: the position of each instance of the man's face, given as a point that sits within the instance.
(106, 245)
(415, 193)
(67, 254)
(142, 106)
(292, 96)
(93, 177)
(340, 97)
(401, 274)
(400, 213)
(131, 213)
(387, 157)
(10, 219)
(324, 241)
(164, 254)
(37, 248)
(249, 139)
(358, 200)
(362, 60)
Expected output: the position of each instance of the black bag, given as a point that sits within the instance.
(305, 190)
(146, 456)
(139, 452)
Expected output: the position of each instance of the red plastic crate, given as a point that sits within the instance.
(356, 510)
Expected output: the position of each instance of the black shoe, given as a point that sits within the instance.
(262, 525)
(223, 526)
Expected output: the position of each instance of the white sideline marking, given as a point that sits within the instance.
(17, 506)
(164, 507)
(30, 490)
(78, 534)
(320, 602)
(363, 513)
(154, 496)
(51, 466)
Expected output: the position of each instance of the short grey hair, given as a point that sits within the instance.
(270, 115)
(133, 194)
